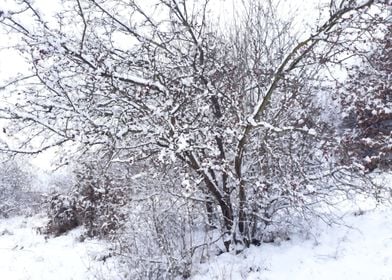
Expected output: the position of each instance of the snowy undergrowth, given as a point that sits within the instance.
(27, 255)
(360, 249)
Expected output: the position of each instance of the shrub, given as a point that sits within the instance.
(95, 202)
(62, 214)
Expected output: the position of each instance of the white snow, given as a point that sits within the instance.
(358, 247)
(361, 250)
(25, 254)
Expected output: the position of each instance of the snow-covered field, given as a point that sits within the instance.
(359, 250)
(24, 254)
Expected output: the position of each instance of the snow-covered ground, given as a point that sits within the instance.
(359, 250)
(26, 255)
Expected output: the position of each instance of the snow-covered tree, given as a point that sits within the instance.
(161, 84)
(15, 189)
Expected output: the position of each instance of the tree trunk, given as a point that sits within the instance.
(243, 224)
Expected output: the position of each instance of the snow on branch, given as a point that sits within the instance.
(273, 128)
(32, 152)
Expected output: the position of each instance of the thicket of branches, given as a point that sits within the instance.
(16, 194)
(224, 123)
(368, 108)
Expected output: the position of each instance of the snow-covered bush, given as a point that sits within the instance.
(367, 105)
(156, 224)
(96, 202)
(165, 231)
(100, 200)
(62, 214)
